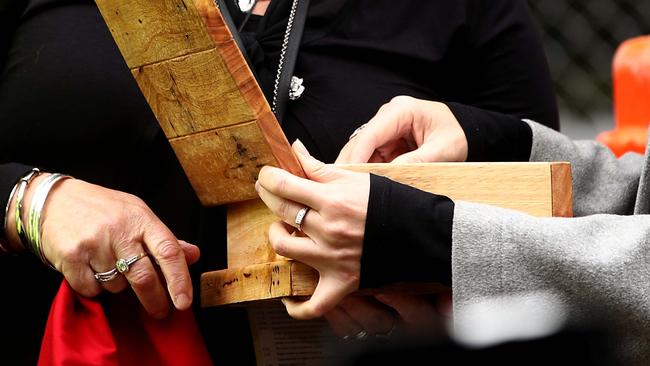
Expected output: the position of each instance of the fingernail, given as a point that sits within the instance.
(257, 186)
(182, 301)
(301, 148)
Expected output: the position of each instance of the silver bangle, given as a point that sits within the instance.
(4, 244)
(35, 218)
(20, 195)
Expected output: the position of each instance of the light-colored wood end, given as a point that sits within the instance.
(562, 188)
(526, 187)
(257, 282)
(148, 32)
(222, 165)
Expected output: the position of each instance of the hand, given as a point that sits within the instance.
(86, 228)
(335, 225)
(389, 315)
(408, 130)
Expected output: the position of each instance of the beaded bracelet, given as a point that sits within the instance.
(35, 219)
(20, 195)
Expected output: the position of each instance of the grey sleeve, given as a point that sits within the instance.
(601, 182)
(598, 266)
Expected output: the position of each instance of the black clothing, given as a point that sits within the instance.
(409, 230)
(68, 103)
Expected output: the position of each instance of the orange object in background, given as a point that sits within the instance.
(631, 74)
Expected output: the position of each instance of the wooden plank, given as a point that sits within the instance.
(193, 93)
(196, 82)
(151, 31)
(562, 188)
(223, 164)
(526, 187)
(257, 282)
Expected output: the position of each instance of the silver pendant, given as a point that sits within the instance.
(296, 89)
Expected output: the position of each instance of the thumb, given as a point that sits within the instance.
(314, 169)
(191, 251)
(413, 157)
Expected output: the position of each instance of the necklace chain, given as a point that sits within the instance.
(283, 53)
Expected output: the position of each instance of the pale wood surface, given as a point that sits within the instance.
(526, 187)
(197, 82)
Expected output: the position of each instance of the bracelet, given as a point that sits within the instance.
(35, 219)
(20, 193)
(4, 245)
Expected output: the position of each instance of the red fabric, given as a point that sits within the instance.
(80, 331)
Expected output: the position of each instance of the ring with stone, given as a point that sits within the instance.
(122, 265)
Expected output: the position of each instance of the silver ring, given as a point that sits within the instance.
(106, 276)
(121, 266)
(301, 216)
(356, 132)
(387, 334)
(361, 336)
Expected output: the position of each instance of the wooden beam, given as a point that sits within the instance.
(202, 93)
(539, 189)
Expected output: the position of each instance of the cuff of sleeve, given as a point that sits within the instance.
(10, 174)
(407, 237)
(493, 136)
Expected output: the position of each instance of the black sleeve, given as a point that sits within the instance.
(493, 136)
(10, 12)
(407, 237)
(510, 67)
(9, 175)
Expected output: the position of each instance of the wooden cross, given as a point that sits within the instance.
(222, 130)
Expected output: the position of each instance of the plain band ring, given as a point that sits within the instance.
(361, 336)
(387, 334)
(356, 132)
(301, 216)
(121, 266)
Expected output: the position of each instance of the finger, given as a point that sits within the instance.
(415, 311)
(314, 169)
(302, 249)
(287, 211)
(81, 278)
(373, 316)
(285, 185)
(389, 124)
(103, 260)
(144, 280)
(341, 323)
(327, 295)
(414, 157)
(191, 251)
(170, 257)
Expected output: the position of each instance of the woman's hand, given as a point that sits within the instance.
(408, 130)
(335, 225)
(87, 228)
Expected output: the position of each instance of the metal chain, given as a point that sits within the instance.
(283, 52)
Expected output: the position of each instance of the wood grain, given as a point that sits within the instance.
(196, 81)
(148, 31)
(562, 188)
(257, 282)
(527, 187)
(192, 94)
(223, 164)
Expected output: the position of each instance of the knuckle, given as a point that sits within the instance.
(143, 280)
(168, 250)
(280, 246)
(284, 209)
